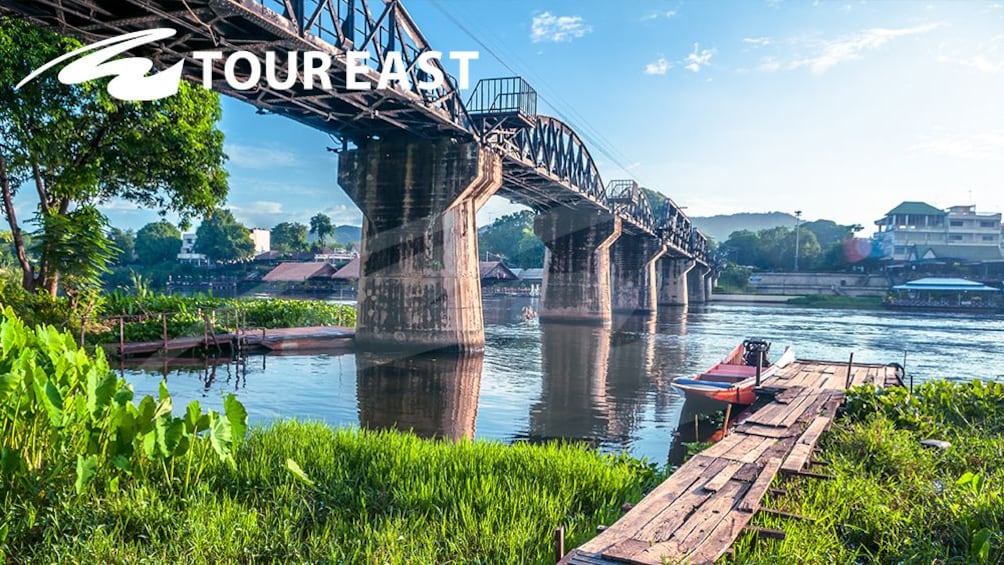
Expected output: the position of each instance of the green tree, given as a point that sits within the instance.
(743, 248)
(78, 147)
(158, 242)
(511, 238)
(221, 238)
(289, 237)
(321, 226)
(125, 242)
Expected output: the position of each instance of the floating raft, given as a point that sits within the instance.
(285, 339)
(699, 511)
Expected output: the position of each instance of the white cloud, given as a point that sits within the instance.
(259, 213)
(548, 27)
(658, 67)
(254, 157)
(698, 58)
(769, 64)
(983, 146)
(757, 41)
(343, 214)
(852, 47)
(667, 14)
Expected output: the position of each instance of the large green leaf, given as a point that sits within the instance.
(298, 473)
(86, 469)
(144, 419)
(192, 414)
(169, 433)
(100, 389)
(48, 395)
(238, 417)
(221, 436)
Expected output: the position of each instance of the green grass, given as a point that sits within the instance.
(88, 475)
(834, 301)
(376, 497)
(890, 499)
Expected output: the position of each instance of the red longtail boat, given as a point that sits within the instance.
(734, 378)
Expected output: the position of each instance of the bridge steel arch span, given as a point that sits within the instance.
(461, 161)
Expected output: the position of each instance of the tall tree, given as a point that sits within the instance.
(78, 147)
(221, 238)
(511, 237)
(125, 242)
(289, 236)
(158, 242)
(321, 226)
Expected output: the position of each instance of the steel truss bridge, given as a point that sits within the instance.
(545, 163)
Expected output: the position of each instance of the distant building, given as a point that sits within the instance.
(262, 239)
(300, 272)
(917, 231)
(188, 254)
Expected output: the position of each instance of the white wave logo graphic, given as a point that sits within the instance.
(131, 81)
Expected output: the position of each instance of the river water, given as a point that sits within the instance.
(609, 387)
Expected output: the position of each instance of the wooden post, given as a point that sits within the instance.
(759, 366)
(850, 373)
(697, 431)
(728, 412)
(121, 337)
(559, 543)
(163, 323)
(83, 324)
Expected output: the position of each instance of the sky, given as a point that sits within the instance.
(838, 109)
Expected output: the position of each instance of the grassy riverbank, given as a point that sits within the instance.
(892, 500)
(834, 301)
(89, 475)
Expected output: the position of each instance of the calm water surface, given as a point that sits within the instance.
(608, 387)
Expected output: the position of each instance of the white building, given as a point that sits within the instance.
(916, 231)
(262, 240)
(188, 254)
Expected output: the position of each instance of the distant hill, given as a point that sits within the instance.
(343, 235)
(721, 226)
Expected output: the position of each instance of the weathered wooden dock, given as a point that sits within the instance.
(283, 339)
(699, 511)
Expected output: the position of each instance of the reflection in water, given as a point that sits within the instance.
(700, 421)
(611, 388)
(434, 396)
(573, 395)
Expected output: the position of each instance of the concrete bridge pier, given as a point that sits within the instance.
(576, 284)
(709, 285)
(419, 286)
(673, 274)
(696, 285)
(632, 260)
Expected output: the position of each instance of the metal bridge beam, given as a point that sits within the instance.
(419, 283)
(576, 264)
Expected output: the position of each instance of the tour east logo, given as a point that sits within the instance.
(131, 78)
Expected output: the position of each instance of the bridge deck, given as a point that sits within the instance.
(699, 511)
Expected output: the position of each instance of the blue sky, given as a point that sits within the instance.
(839, 109)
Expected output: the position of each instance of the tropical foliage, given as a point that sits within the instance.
(890, 498)
(89, 475)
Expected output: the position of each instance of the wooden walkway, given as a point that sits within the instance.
(283, 339)
(700, 510)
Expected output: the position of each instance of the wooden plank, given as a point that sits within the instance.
(673, 516)
(656, 503)
(755, 454)
(803, 448)
(625, 550)
(749, 443)
(722, 447)
(579, 557)
(696, 531)
(765, 431)
(755, 494)
(724, 476)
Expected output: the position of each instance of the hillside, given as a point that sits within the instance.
(721, 226)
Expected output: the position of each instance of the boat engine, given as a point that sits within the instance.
(752, 348)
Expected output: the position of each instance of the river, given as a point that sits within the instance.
(609, 387)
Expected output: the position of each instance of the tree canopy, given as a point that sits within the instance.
(77, 148)
(321, 226)
(157, 242)
(289, 237)
(822, 246)
(511, 238)
(221, 238)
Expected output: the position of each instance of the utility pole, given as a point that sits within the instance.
(798, 218)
